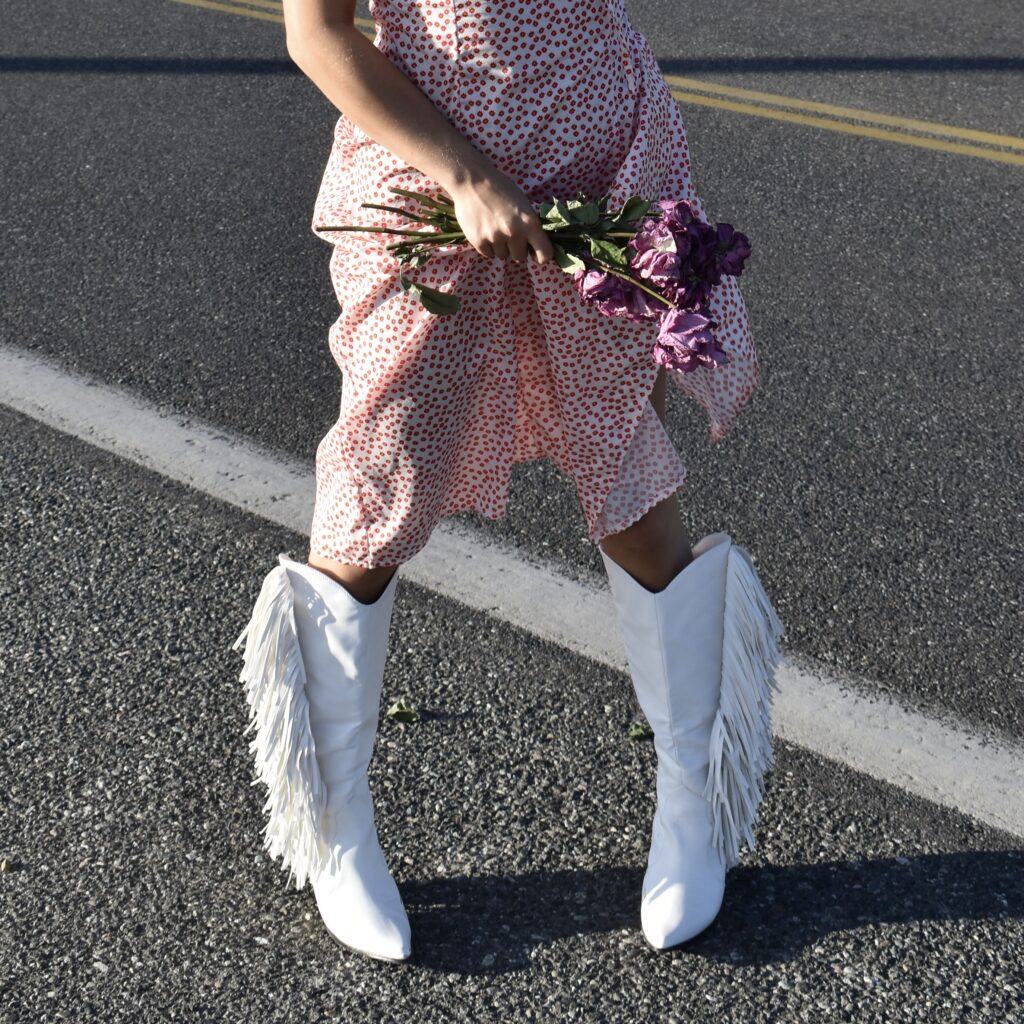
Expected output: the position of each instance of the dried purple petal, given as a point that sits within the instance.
(686, 340)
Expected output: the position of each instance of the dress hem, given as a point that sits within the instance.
(660, 497)
(494, 511)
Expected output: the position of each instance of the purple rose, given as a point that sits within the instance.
(690, 328)
(591, 284)
(689, 292)
(686, 341)
(601, 289)
(676, 213)
(657, 266)
(673, 360)
(732, 249)
(613, 296)
(655, 234)
(643, 308)
(679, 254)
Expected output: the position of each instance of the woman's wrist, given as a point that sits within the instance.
(468, 171)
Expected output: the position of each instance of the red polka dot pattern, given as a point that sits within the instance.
(563, 96)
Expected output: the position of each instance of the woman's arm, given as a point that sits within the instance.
(497, 216)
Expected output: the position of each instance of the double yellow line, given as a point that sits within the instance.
(908, 131)
(250, 8)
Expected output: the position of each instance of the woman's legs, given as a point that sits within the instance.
(656, 547)
(364, 584)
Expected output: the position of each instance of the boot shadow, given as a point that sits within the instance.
(492, 924)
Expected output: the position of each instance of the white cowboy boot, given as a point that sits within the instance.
(702, 654)
(314, 670)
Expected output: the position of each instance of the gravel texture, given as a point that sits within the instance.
(515, 814)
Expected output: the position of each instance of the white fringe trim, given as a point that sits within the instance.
(275, 690)
(741, 736)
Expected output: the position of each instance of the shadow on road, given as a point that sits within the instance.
(154, 65)
(491, 925)
(688, 65)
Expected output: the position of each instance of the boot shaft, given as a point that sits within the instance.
(673, 644)
(344, 646)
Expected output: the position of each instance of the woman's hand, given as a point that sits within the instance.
(377, 97)
(499, 220)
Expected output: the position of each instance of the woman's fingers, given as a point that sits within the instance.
(517, 246)
(516, 242)
(500, 221)
(543, 250)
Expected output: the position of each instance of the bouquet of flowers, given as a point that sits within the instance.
(649, 262)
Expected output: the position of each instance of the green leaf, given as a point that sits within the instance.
(579, 210)
(640, 731)
(568, 261)
(588, 213)
(432, 300)
(403, 711)
(634, 208)
(554, 221)
(563, 212)
(609, 252)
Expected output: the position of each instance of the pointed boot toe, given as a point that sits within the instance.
(676, 915)
(377, 926)
(356, 894)
(684, 884)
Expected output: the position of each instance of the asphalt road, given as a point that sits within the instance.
(160, 180)
(160, 163)
(515, 815)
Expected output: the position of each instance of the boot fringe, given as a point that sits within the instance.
(741, 736)
(285, 761)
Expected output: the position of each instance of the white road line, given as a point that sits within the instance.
(937, 760)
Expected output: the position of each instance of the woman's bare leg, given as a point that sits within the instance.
(365, 585)
(656, 547)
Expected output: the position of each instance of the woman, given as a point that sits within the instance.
(501, 105)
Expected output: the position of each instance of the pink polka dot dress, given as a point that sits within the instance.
(563, 96)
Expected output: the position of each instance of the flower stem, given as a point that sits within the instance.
(424, 198)
(391, 231)
(608, 268)
(434, 236)
(398, 209)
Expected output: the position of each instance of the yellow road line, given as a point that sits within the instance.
(763, 104)
(910, 123)
(212, 5)
(867, 131)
